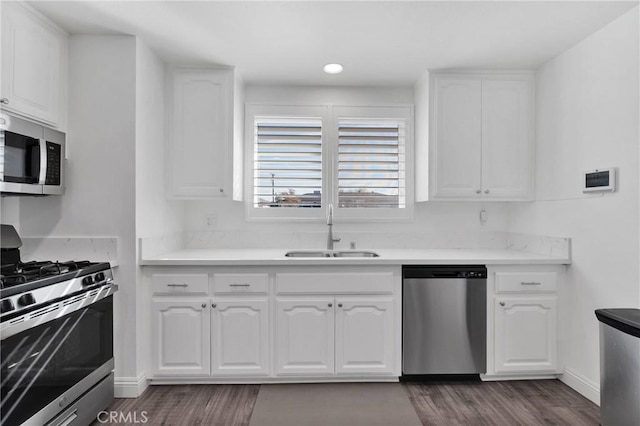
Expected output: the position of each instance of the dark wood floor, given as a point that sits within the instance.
(540, 402)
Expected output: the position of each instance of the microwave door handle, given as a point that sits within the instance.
(43, 162)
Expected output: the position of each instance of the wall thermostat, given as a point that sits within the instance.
(601, 180)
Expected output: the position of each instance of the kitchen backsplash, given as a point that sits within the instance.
(100, 249)
(552, 246)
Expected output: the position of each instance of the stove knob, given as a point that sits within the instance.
(100, 276)
(88, 280)
(6, 306)
(26, 299)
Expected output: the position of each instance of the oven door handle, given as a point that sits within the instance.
(57, 310)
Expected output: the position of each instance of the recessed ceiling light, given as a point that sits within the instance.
(333, 68)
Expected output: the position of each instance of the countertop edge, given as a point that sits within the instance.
(351, 261)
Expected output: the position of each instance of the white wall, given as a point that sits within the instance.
(100, 194)
(428, 217)
(10, 211)
(587, 118)
(155, 215)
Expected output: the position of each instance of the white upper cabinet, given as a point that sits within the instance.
(480, 136)
(457, 128)
(506, 138)
(34, 57)
(201, 136)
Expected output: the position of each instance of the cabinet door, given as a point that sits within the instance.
(364, 336)
(305, 337)
(33, 54)
(456, 138)
(526, 334)
(240, 337)
(200, 146)
(506, 138)
(181, 337)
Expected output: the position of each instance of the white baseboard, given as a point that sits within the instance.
(130, 387)
(497, 378)
(582, 385)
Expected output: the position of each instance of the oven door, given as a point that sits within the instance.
(47, 367)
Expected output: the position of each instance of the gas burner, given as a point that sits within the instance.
(29, 271)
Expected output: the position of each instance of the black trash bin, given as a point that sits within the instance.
(619, 366)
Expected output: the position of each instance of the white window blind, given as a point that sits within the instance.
(287, 163)
(371, 164)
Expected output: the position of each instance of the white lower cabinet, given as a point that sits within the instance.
(364, 336)
(335, 336)
(522, 323)
(305, 336)
(526, 336)
(240, 337)
(266, 324)
(181, 337)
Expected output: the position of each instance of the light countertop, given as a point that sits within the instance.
(275, 257)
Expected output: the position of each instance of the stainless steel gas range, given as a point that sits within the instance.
(56, 329)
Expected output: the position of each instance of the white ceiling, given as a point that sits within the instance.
(378, 42)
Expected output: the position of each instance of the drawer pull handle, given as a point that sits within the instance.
(531, 283)
(502, 303)
(240, 285)
(177, 285)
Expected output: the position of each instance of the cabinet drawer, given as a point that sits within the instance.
(180, 283)
(369, 283)
(526, 282)
(240, 283)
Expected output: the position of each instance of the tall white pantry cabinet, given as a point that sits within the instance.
(481, 141)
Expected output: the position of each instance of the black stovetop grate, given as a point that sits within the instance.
(21, 273)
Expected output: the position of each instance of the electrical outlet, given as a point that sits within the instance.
(483, 217)
(211, 221)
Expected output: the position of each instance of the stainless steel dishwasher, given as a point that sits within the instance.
(444, 320)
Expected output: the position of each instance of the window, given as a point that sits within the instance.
(287, 163)
(371, 164)
(305, 158)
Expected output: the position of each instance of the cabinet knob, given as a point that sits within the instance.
(4, 101)
(478, 191)
(213, 305)
(221, 190)
(204, 305)
(339, 305)
(330, 304)
(501, 303)
(486, 191)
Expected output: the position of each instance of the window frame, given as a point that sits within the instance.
(330, 116)
(297, 112)
(382, 114)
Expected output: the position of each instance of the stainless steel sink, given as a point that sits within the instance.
(309, 253)
(355, 253)
(330, 253)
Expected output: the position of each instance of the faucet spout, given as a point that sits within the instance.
(330, 237)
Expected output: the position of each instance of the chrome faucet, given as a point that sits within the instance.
(330, 238)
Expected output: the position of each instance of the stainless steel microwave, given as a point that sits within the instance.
(31, 157)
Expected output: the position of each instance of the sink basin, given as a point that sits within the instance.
(355, 253)
(309, 253)
(330, 253)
